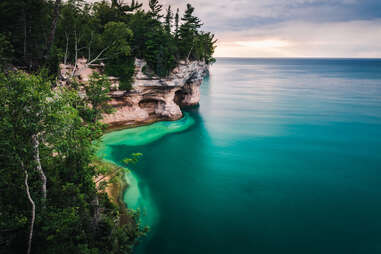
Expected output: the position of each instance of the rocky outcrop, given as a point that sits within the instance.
(154, 99)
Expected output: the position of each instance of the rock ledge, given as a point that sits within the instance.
(154, 99)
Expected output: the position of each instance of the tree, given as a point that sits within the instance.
(155, 9)
(114, 42)
(188, 32)
(63, 222)
(160, 52)
(125, 8)
(27, 116)
(168, 20)
(97, 97)
(177, 17)
(44, 33)
(53, 27)
(6, 51)
(204, 47)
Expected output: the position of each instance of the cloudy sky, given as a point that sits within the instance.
(291, 28)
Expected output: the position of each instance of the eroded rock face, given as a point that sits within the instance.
(153, 99)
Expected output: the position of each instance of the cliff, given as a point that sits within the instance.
(154, 99)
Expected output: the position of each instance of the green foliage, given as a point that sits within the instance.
(6, 51)
(177, 23)
(113, 33)
(123, 68)
(188, 33)
(168, 20)
(155, 9)
(25, 23)
(115, 39)
(160, 52)
(69, 221)
(97, 96)
(119, 61)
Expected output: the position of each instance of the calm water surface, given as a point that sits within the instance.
(283, 156)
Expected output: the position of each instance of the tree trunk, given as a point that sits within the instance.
(53, 28)
(190, 51)
(33, 212)
(75, 53)
(97, 213)
(36, 155)
(67, 48)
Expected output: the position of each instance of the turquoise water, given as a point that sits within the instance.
(283, 156)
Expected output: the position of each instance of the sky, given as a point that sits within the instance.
(291, 28)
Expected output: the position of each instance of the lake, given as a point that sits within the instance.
(282, 156)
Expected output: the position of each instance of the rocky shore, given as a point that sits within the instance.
(154, 99)
(151, 98)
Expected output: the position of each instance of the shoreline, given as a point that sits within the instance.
(124, 126)
(117, 190)
(119, 126)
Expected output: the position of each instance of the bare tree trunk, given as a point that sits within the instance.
(75, 53)
(36, 155)
(99, 55)
(190, 51)
(33, 212)
(53, 28)
(89, 47)
(67, 48)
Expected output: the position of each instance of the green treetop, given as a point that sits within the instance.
(155, 9)
(168, 20)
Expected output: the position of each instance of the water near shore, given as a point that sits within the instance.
(283, 156)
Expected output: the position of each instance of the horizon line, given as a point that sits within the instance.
(298, 57)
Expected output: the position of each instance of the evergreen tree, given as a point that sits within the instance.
(155, 9)
(177, 23)
(188, 32)
(168, 20)
(6, 51)
(125, 8)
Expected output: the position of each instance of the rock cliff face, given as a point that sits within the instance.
(153, 99)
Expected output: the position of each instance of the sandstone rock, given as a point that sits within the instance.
(154, 99)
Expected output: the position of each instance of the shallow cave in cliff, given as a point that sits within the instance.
(179, 97)
(152, 106)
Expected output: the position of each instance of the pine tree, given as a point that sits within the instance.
(168, 20)
(155, 9)
(191, 22)
(177, 21)
(188, 32)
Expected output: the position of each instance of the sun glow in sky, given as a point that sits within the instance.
(263, 44)
(259, 48)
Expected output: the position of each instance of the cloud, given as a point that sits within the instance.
(302, 39)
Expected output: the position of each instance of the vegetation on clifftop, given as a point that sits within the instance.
(40, 33)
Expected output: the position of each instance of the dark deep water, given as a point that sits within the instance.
(283, 156)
